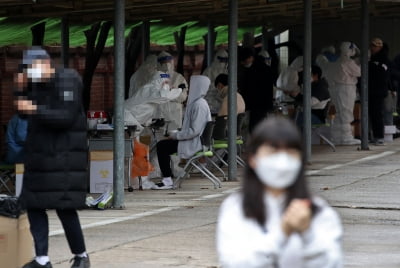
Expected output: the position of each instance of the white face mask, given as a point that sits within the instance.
(248, 65)
(279, 170)
(35, 74)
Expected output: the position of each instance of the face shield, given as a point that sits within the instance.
(166, 64)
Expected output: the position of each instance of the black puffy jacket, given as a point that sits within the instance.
(379, 74)
(56, 158)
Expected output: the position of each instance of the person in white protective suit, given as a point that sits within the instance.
(143, 74)
(217, 67)
(288, 80)
(265, 55)
(325, 60)
(344, 73)
(140, 109)
(172, 111)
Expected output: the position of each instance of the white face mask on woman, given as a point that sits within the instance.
(278, 170)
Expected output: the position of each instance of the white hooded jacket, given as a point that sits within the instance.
(243, 243)
(197, 115)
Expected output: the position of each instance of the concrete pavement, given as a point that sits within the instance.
(175, 228)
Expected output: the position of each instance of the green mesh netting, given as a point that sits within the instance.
(17, 32)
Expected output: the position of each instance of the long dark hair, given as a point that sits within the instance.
(279, 133)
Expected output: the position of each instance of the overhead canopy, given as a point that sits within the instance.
(17, 32)
(273, 13)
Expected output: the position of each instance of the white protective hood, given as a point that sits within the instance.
(348, 49)
(217, 67)
(167, 67)
(143, 74)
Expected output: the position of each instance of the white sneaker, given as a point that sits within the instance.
(165, 184)
(351, 142)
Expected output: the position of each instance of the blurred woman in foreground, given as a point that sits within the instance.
(274, 221)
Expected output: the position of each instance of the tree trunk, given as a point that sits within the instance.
(38, 31)
(180, 45)
(93, 54)
(133, 47)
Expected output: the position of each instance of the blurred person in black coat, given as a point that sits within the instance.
(56, 157)
(255, 84)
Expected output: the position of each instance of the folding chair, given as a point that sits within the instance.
(206, 152)
(220, 139)
(7, 175)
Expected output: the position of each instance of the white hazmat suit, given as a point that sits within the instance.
(172, 111)
(265, 55)
(140, 108)
(344, 73)
(288, 80)
(217, 67)
(143, 74)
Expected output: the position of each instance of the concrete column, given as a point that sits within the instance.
(307, 79)
(364, 73)
(119, 88)
(232, 84)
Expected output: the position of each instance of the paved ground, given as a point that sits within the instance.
(176, 228)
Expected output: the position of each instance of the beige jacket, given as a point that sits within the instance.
(241, 107)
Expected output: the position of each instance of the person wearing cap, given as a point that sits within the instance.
(217, 67)
(172, 111)
(378, 87)
(185, 142)
(56, 156)
(342, 78)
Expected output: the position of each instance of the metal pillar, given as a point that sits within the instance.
(232, 84)
(307, 79)
(210, 43)
(145, 39)
(65, 42)
(119, 88)
(364, 74)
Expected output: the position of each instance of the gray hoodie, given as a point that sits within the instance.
(196, 116)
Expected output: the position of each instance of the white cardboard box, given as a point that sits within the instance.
(101, 171)
(390, 129)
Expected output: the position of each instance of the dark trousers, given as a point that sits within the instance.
(39, 225)
(376, 116)
(164, 150)
(255, 118)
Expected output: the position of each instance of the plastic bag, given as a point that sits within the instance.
(141, 165)
(10, 206)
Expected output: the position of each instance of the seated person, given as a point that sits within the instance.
(319, 97)
(221, 84)
(15, 138)
(185, 142)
